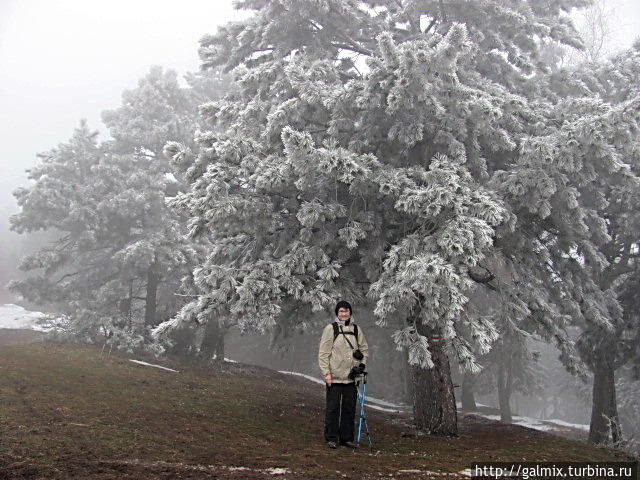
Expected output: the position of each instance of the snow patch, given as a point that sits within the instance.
(197, 468)
(140, 362)
(382, 409)
(459, 405)
(308, 377)
(562, 423)
(387, 404)
(276, 471)
(395, 408)
(268, 471)
(542, 425)
(17, 317)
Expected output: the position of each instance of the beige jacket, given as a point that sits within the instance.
(336, 357)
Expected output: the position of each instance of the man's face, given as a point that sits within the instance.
(344, 314)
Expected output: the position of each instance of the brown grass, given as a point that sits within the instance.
(67, 412)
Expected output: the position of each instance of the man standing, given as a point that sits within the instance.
(342, 347)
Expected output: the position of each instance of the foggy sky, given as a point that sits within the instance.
(64, 60)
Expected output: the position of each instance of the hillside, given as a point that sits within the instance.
(68, 412)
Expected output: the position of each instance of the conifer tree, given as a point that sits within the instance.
(62, 179)
(205, 87)
(155, 112)
(612, 88)
(324, 176)
(120, 242)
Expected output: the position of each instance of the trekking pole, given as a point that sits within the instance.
(363, 417)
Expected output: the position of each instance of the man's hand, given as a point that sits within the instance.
(328, 379)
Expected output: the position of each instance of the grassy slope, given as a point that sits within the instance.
(65, 412)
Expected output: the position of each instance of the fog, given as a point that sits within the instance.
(71, 59)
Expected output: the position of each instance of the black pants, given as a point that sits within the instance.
(341, 410)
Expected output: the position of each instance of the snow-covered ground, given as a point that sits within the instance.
(17, 317)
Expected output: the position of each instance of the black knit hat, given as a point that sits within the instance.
(343, 304)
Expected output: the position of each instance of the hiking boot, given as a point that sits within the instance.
(348, 444)
(333, 445)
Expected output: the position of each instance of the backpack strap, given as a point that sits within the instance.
(337, 331)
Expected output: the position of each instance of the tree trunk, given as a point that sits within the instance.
(505, 380)
(153, 280)
(124, 305)
(213, 341)
(408, 385)
(468, 397)
(129, 312)
(434, 403)
(604, 412)
(219, 347)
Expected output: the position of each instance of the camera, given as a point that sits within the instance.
(357, 354)
(355, 371)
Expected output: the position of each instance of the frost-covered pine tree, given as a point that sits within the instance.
(605, 100)
(119, 243)
(62, 198)
(361, 155)
(205, 86)
(154, 113)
